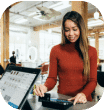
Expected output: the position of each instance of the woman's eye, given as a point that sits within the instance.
(74, 29)
(66, 30)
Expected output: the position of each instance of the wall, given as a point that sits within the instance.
(101, 46)
(47, 41)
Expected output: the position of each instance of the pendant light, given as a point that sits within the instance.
(96, 14)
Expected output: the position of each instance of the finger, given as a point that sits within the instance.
(73, 98)
(42, 91)
(38, 91)
(76, 99)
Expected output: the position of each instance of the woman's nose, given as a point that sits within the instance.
(71, 32)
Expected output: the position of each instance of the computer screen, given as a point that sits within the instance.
(16, 84)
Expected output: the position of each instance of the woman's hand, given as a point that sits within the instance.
(40, 90)
(79, 98)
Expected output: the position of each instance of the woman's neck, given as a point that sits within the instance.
(72, 43)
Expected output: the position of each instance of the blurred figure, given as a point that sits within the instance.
(13, 58)
(1, 70)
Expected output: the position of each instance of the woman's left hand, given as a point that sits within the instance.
(79, 98)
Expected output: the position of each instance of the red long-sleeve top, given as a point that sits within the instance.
(66, 63)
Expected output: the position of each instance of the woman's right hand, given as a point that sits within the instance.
(40, 90)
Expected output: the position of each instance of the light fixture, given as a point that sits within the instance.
(96, 15)
(102, 32)
(49, 31)
(21, 20)
(95, 23)
(92, 33)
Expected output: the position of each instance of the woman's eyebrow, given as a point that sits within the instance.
(72, 27)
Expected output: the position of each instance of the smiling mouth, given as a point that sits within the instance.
(71, 38)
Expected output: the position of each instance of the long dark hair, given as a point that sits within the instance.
(82, 44)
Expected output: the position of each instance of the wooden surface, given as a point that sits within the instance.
(5, 38)
(97, 44)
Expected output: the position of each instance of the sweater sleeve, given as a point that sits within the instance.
(90, 86)
(52, 77)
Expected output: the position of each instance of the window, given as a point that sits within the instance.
(47, 41)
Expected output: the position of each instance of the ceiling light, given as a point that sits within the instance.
(101, 32)
(49, 31)
(21, 20)
(96, 14)
(95, 23)
(92, 33)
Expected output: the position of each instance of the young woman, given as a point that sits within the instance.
(73, 61)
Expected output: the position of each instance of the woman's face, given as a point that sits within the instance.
(72, 31)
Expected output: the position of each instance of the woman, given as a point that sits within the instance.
(73, 61)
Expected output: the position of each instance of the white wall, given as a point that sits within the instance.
(101, 46)
(92, 42)
(47, 41)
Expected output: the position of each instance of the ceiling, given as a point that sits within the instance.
(25, 8)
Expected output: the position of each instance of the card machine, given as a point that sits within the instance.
(60, 104)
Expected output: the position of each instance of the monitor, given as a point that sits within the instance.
(16, 83)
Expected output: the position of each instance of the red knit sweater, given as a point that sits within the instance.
(68, 65)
